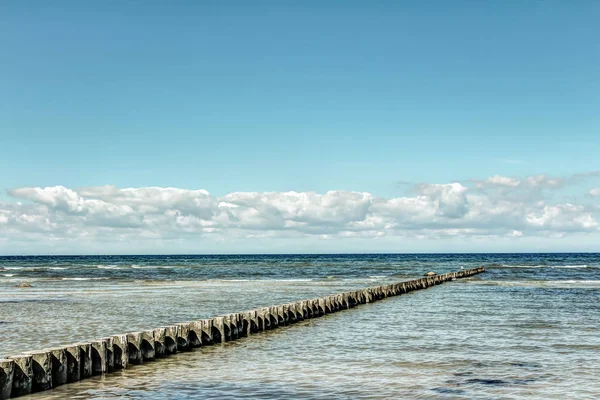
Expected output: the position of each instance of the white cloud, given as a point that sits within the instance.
(595, 192)
(503, 181)
(450, 200)
(531, 182)
(563, 217)
(108, 215)
(543, 181)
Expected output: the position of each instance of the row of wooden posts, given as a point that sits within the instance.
(40, 370)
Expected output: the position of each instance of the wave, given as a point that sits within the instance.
(544, 284)
(261, 280)
(137, 266)
(8, 275)
(33, 269)
(82, 279)
(548, 266)
(107, 267)
(291, 280)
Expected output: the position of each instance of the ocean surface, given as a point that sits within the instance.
(529, 327)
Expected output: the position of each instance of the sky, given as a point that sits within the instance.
(329, 126)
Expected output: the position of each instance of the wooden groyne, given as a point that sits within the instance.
(45, 369)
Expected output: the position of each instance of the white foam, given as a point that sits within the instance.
(544, 284)
(107, 266)
(81, 279)
(262, 280)
(546, 266)
(523, 266)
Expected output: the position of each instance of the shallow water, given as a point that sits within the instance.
(527, 328)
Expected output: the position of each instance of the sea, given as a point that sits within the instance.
(529, 327)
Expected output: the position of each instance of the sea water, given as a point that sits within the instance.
(526, 328)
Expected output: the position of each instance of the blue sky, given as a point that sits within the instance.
(317, 96)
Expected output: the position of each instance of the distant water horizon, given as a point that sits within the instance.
(291, 253)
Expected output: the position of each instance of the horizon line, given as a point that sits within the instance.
(288, 254)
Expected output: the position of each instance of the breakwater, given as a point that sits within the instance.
(41, 370)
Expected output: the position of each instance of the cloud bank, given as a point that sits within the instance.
(498, 207)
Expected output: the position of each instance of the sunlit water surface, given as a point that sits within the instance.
(527, 328)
